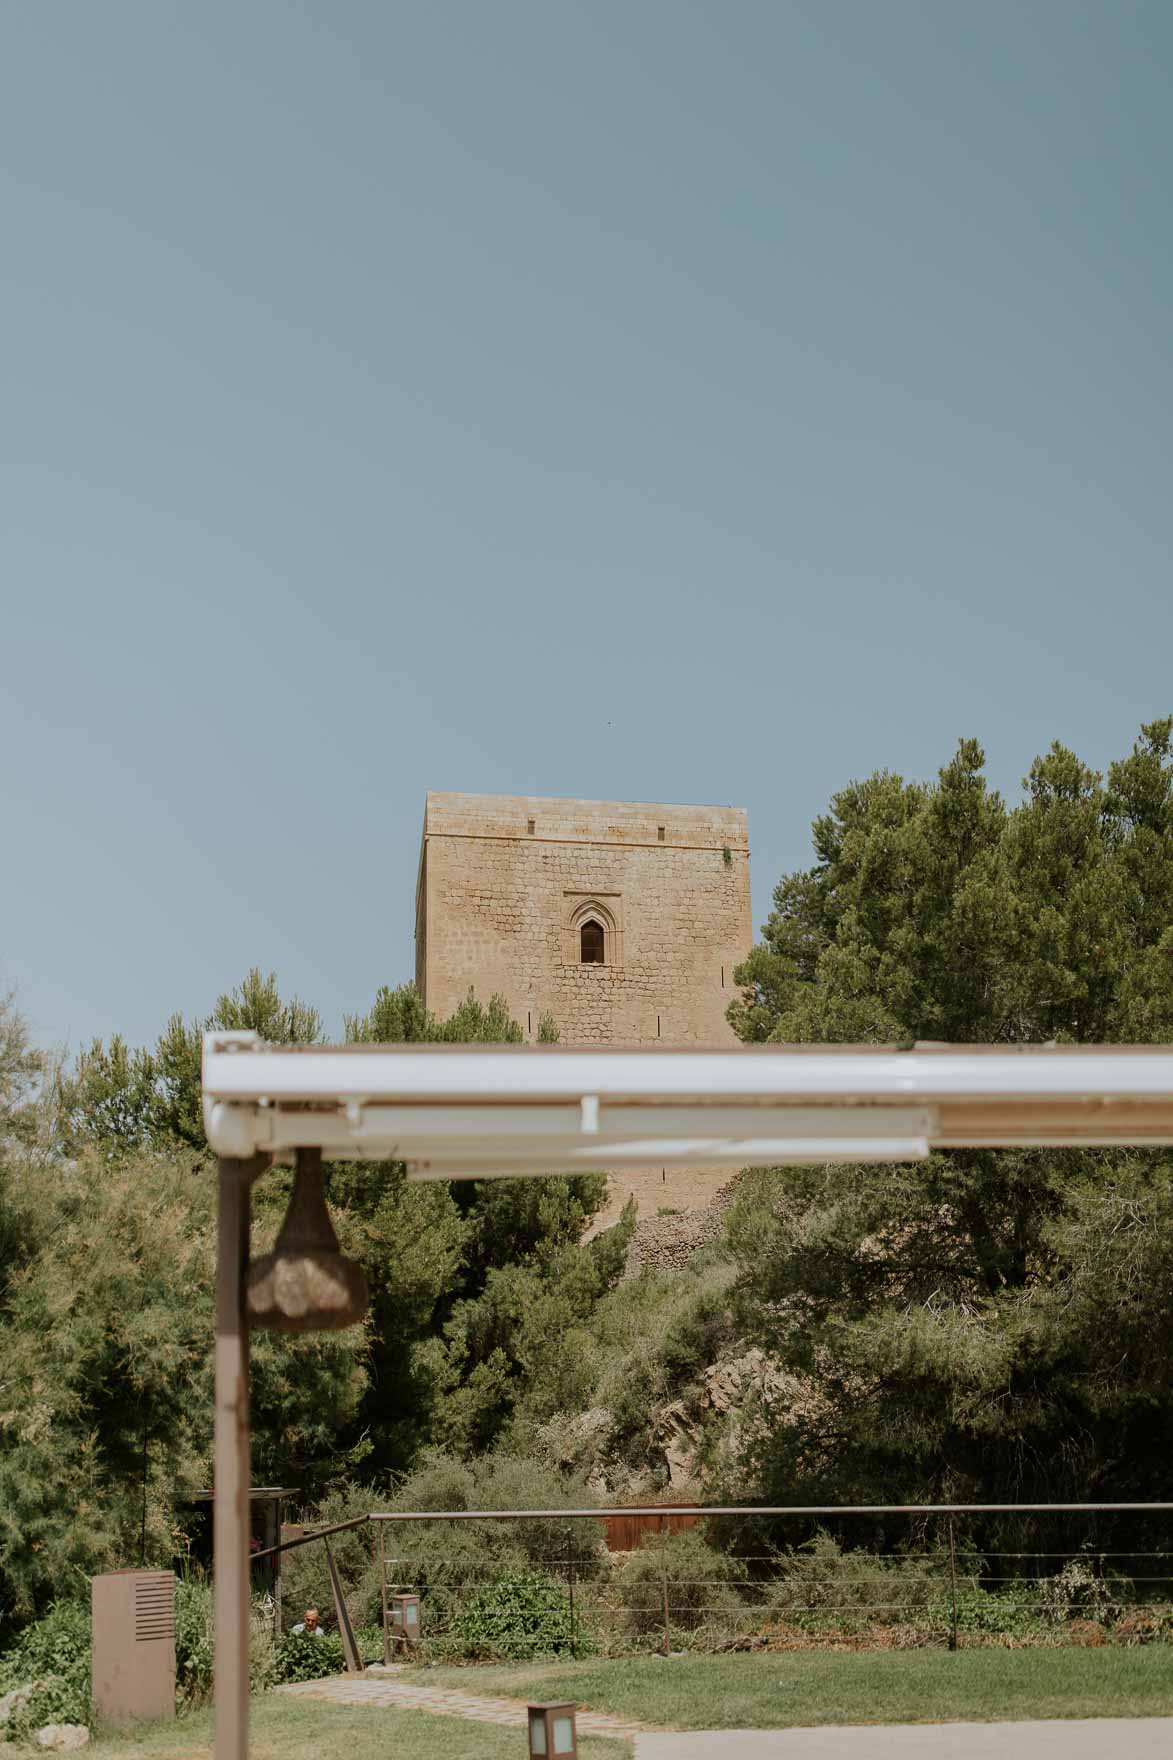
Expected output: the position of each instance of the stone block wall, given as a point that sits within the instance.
(506, 882)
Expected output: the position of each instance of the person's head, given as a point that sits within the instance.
(312, 1616)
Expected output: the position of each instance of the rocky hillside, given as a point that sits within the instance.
(677, 1395)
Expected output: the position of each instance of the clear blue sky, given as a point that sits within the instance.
(641, 398)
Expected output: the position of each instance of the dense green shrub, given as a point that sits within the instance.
(1076, 1593)
(444, 1562)
(516, 1618)
(699, 1581)
(1079, 1592)
(195, 1642)
(820, 1580)
(491, 1482)
(648, 1339)
(1009, 1612)
(53, 1655)
(821, 1585)
(700, 1332)
(298, 1657)
(447, 1562)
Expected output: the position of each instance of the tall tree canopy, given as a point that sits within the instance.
(934, 912)
(106, 1271)
(982, 1323)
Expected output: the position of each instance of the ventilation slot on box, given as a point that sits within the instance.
(154, 1609)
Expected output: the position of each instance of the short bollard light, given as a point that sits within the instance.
(405, 1619)
(552, 1730)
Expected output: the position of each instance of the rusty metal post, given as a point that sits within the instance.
(231, 1463)
(383, 1589)
(342, 1615)
(664, 1586)
(277, 1619)
(570, 1593)
(953, 1585)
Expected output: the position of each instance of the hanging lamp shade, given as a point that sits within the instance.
(306, 1284)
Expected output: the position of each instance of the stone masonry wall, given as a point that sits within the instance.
(505, 882)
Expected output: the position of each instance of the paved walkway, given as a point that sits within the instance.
(1101, 1738)
(383, 1689)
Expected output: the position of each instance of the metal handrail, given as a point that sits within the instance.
(665, 1510)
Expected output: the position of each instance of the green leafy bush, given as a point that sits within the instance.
(447, 1562)
(297, 1657)
(821, 1586)
(652, 1336)
(442, 1561)
(195, 1642)
(1009, 1612)
(1077, 1592)
(516, 1618)
(819, 1581)
(501, 1480)
(700, 1332)
(53, 1656)
(699, 1581)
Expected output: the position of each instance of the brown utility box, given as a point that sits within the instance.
(133, 1655)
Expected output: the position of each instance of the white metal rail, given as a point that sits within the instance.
(485, 1111)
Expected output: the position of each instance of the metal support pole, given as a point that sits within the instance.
(231, 1462)
(278, 1624)
(570, 1593)
(664, 1586)
(383, 1584)
(953, 1585)
(342, 1615)
(231, 1470)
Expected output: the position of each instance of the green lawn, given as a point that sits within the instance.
(291, 1729)
(700, 1692)
(810, 1687)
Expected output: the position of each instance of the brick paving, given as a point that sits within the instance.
(383, 1690)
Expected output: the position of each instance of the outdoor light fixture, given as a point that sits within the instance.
(405, 1619)
(306, 1283)
(552, 1730)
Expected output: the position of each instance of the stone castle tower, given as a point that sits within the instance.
(624, 920)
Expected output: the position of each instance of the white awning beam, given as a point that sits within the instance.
(473, 1112)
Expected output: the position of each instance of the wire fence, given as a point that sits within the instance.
(774, 1578)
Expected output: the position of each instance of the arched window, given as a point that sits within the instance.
(592, 931)
(592, 943)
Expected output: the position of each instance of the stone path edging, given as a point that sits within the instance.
(383, 1691)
